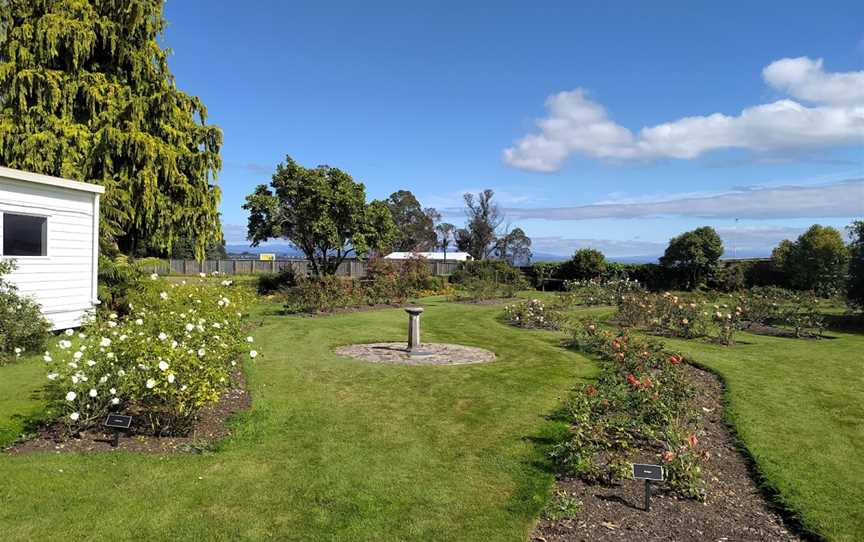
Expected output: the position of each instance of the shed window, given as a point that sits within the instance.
(24, 235)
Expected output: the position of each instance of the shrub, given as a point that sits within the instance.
(22, 326)
(323, 294)
(640, 403)
(270, 283)
(533, 314)
(495, 271)
(727, 321)
(164, 361)
(598, 291)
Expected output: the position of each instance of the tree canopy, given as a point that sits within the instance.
(322, 211)
(445, 232)
(855, 286)
(514, 247)
(484, 217)
(85, 93)
(586, 264)
(415, 225)
(695, 254)
(817, 260)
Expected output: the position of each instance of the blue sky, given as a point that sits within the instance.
(572, 112)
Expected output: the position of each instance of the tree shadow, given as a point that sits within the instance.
(845, 323)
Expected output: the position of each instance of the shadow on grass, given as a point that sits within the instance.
(847, 323)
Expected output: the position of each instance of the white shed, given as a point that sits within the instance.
(50, 227)
(432, 256)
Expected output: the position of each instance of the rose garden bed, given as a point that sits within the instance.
(734, 508)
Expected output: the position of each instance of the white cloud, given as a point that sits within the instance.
(575, 124)
(839, 199)
(804, 78)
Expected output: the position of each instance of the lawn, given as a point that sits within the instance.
(799, 406)
(333, 449)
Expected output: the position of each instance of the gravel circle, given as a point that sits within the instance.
(427, 354)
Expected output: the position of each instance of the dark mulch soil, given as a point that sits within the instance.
(774, 331)
(209, 428)
(734, 508)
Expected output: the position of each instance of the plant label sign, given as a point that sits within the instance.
(648, 472)
(118, 421)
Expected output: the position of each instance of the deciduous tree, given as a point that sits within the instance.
(445, 232)
(416, 225)
(817, 260)
(481, 231)
(322, 211)
(855, 285)
(694, 254)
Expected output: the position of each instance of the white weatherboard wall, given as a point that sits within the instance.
(63, 281)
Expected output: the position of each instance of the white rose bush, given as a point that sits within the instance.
(170, 356)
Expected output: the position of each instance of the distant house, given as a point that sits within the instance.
(434, 256)
(50, 227)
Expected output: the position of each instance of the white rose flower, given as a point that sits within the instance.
(77, 355)
(69, 332)
(189, 327)
(171, 378)
(115, 401)
(163, 365)
(150, 383)
(93, 392)
(112, 324)
(163, 295)
(71, 396)
(162, 336)
(103, 379)
(154, 276)
(75, 416)
(253, 354)
(139, 322)
(250, 340)
(200, 352)
(113, 391)
(105, 342)
(47, 358)
(74, 379)
(52, 376)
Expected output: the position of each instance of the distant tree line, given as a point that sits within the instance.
(818, 260)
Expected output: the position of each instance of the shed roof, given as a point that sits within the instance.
(38, 178)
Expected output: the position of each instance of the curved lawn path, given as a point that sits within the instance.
(333, 448)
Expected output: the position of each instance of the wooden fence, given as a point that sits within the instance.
(348, 268)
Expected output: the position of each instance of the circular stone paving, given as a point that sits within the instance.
(427, 354)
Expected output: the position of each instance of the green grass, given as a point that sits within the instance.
(798, 405)
(333, 449)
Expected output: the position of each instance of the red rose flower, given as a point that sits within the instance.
(675, 360)
(590, 390)
(633, 380)
(692, 441)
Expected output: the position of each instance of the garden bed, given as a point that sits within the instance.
(210, 426)
(734, 508)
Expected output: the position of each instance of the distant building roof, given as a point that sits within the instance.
(454, 256)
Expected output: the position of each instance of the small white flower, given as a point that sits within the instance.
(113, 391)
(77, 355)
(200, 352)
(154, 276)
(121, 372)
(162, 336)
(250, 340)
(189, 327)
(47, 357)
(163, 295)
(150, 383)
(90, 363)
(105, 342)
(112, 324)
(69, 332)
(183, 387)
(202, 275)
(74, 416)
(71, 396)
(163, 365)
(75, 379)
(171, 378)
(103, 379)
(52, 376)
(64, 344)
(93, 392)
(115, 401)
(253, 354)
(139, 322)
(173, 344)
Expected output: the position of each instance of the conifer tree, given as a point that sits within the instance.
(85, 93)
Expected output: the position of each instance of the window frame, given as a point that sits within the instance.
(47, 255)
